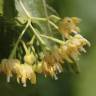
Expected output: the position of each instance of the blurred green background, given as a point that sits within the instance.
(68, 84)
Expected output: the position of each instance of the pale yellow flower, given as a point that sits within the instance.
(82, 40)
(38, 67)
(7, 67)
(71, 50)
(49, 70)
(25, 72)
(63, 51)
(69, 25)
(51, 64)
(76, 20)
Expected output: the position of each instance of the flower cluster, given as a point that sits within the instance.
(68, 26)
(52, 61)
(44, 46)
(23, 72)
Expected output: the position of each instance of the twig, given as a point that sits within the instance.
(53, 39)
(19, 39)
(36, 34)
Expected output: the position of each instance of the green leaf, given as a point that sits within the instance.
(35, 8)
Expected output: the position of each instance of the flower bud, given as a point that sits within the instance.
(29, 58)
